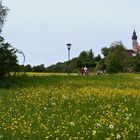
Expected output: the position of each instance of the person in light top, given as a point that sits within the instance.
(85, 70)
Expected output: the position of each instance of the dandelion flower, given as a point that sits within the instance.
(118, 136)
(111, 126)
(94, 132)
(72, 123)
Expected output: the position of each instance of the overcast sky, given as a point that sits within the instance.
(42, 28)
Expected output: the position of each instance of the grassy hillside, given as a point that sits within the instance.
(98, 107)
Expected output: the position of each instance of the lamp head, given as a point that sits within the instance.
(68, 46)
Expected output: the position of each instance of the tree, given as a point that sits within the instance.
(3, 14)
(117, 58)
(101, 65)
(28, 68)
(86, 58)
(97, 58)
(39, 68)
(135, 63)
(8, 58)
(84, 55)
(91, 54)
(105, 51)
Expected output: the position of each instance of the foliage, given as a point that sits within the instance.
(8, 58)
(117, 58)
(39, 68)
(85, 58)
(3, 14)
(105, 51)
(28, 68)
(135, 63)
(59, 67)
(73, 107)
(101, 65)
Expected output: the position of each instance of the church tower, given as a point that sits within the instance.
(134, 41)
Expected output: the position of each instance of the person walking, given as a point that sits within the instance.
(85, 70)
(82, 70)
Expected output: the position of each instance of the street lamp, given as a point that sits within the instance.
(69, 47)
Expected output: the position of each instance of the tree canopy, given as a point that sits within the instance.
(8, 58)
(116, 58)
(3, 13)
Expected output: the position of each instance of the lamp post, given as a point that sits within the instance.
(69, 47)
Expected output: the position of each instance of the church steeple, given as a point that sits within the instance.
(134, 36)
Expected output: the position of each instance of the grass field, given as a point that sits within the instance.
(61, 107)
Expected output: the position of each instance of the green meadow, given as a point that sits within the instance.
(74, 107)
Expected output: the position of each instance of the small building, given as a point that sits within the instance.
(131, 52)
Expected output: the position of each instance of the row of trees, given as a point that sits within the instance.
(29, 68)
(86, 58)
(115, 59)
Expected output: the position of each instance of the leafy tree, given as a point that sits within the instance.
(105, 51)
(91, 54)
(86, 58)
(3, 14)
(8, 58)
(97, 58)
(28, 68)
(22, 68)
(117, 58)
(101, 65)
(39, 68)
(84, 55)
(135, 63)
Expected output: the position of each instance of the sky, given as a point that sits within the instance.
(42, 28)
